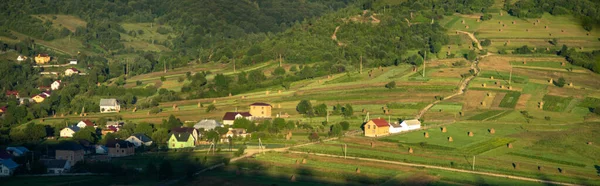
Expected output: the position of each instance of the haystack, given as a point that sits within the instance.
(174, 106)
(278, 91)
(470, 134)
(571, 84)
(293, 178)
(561, 170)
(509, 87)
(491, 77)
(410, 150)
(462, 22)
(427, 136)
(483, 103)
(515, 165)
(483, 85)
(358, 170)
(551, 81)
(267, 92)
(297, 162)
(526, 30)
(303, 161)
(467, 27)
(499, 30)
(134, 109)
(546, 27)
(492, 131)
(509, 145)
(501, 86)
(444, 129)
(214, 101)
(198, 105)
(461, 113)
(450, 139)
(230, 94)
(372, 144)
(278, 105)
(590, 143)
(539, 168)
(514, 22)
(541, 104)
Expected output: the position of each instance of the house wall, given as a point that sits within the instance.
(372, 130)
(174, 144)
(38, 99)
(66, 133)
(42, 60)
(228, 122)
(109, 109)
(260, 111)
(71, 156)
(120, 152)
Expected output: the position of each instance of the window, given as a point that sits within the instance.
(368, 126)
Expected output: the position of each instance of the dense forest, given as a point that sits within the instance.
(586, 10)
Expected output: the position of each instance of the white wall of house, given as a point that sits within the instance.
(66, 133)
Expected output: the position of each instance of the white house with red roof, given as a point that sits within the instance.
(230, 117)
(55, 85)
(86, 123)
(71, 71)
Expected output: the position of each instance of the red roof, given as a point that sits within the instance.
(12, 93)
(3, 109)
(88, 123)
(260, 104)
(42, 95)
(231, 115)
(73, 69)
(380, 122)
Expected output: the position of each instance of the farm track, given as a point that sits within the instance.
(465, 83)
(443, 168)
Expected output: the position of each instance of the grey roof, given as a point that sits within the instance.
(9, 163)
(108, 102)
(208, 124)
(142, 137)
(182, 137)
(51, 163)
(122, 144)
(75, 128)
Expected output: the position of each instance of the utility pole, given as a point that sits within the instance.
(360, 64)
(424, 60)
(327, 118)
(280, 60)
(233, 65)
(473, 162)
(165, 65)
(345, 150)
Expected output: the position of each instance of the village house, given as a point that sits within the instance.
(7, 167)
(12, 93)
(85, 123)
(71, 71)
(195, 134)
(260, 110)
(73, 61)
(230, 117)
(42, 58)
(377, 127)
(234, 133)
(68, 132)
(120, 148)
(17, 151)
(21, 58)
(208, 124)
(109, 105)
(109, 129)
(39, 98)
(55, 85)
(181, 140)
(56, 166)
(406, 125)
(139, 140)
(23, 100)
(2, 110)
(71, 152)
(46, 93)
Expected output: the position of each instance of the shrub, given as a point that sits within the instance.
(138, 82)
(162, 78)
(240, 151)
(391, 85)
(155, 110)
(561, 82)
(486, 42)
(461, 63)
(345, 125)
(486, 17)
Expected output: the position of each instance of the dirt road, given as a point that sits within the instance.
(444, 168)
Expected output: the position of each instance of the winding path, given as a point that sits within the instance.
(464, 83)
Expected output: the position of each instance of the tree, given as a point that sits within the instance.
(345, 125)
(173, 122)
(391, 85)
(279, 71)
(150, 170)
(240, 151)
(337, 109)
(348, 110)
(335, 130)
(88, 133)
(305, 107)
(162, 78)
(320, 110)
(108, 136)
(486, 42)
(561, 82)
(160, 136)
(486, 17)
(211, 108)
(279, 123)
(245, 124)
(471, 56)
(313, 136)
(165, 170)
(144, 128)
(35, 132)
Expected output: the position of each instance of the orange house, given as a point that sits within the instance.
(260, 110)
(377, 127)
(42, 58)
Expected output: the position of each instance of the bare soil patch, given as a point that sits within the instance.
(497, 99)
(473, 99)
(522, 103)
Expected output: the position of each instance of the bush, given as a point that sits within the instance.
(460, 63)
(138, 82)
(162, 78)
(240, 151)
(560, 83)
(345, 125)
(486, 17)
(391, 85)
(155, 110)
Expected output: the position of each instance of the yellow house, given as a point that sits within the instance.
(260, 110)
(39, 98)
(42, 58)
(377, 127)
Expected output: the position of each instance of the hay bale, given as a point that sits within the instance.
(134, 109)
(501, 86)
(515, 165)
(62, 115)
(546, 27)
(561, 30)
(174, 106)
(509, 87)
(514, 22)
(267, 92)
(550, 34)
(489, 94)
(492, 131)
(297, 162)
(547, 49)
(551, 81)
(304, 161)
(534, 24)
(462, 21)
(358, 170)
(537, 20)
(541, 104)
(278, 91)
(470, 134)
(461, 113)
(495, 83)
(278, 105)
(491, 77)
(293, 178)
(560, 170)
(590, 143)
(410, 150)
(364, 110)
(243, 97)
(483, 103)
(509, 145)
(524, 62)
(444, 129)
(230, 94)
(478, 20)
(426, 134)
(499, 22)
(319, 81)
(501, 14)
(372, 145)
(450, 139)
(499, 30)
(526, 30)
(214, 101)
(448, 53)
(539, 168)
(503, 26)
(198, 105)
(467, 27)
(571, 84)
(43, 120)
(483, 85)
